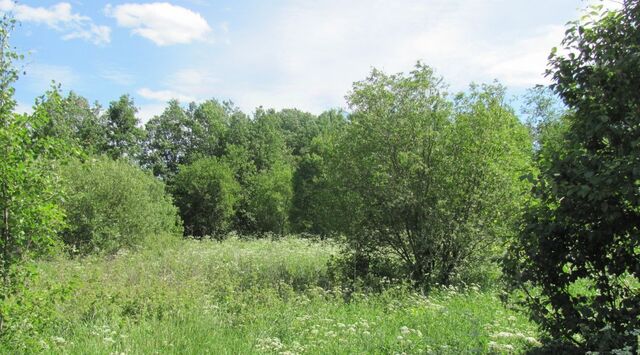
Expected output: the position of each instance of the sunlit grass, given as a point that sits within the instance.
(259, 296)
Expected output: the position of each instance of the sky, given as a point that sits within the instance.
(278, 54)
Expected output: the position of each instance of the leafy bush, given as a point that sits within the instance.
(113, 204)
(576, 263)
(206, 194)
(431, 182)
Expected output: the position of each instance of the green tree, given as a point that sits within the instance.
(209, 126)
(577, 261)
(71, 119)
(313, 195)
(206, 194)
(270, 199)
(123, 137)
(167, 142)
(427, 183)
(29, 192)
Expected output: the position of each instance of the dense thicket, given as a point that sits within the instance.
(577, 260)
(111, 204)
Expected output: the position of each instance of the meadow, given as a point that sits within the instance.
(250, 296)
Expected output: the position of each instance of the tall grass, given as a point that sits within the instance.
(257, 296)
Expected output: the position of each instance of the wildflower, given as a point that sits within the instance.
(58, 340)
(44, 344)
(405, 330)
(532, 341)
(503, 335)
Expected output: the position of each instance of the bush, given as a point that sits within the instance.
(576, 264)
(425, 180)
(206, 194)
(113, 205)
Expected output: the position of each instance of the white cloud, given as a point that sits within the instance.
(197, 82)
(148, 111)
(187, 85)
(164, 95)
(527, 60)
(162, 23)
(61, 18)
(307, 54)
(22, 107)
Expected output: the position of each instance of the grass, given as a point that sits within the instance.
(256, 296)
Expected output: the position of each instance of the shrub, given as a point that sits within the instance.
(206, 194)
(113, 204)
(430, 182)
(576, 263)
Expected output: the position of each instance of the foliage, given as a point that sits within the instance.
(122, 135)
(544, 114)
(179, 136)
(429, 181)
(28, 187)
(270, 199)
(72, 120)
(577, 260)
(313, 193)
(206, 194)
(112, 205)
(167, 142)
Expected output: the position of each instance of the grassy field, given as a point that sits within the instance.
(249, 297)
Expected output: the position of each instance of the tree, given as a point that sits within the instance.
(71, 119)
(313, 195)
(123, 136)
(209, 126)
(544, 115)
(427, 183)
(270, 198)
(29, 193)
(576, 263)
(206, 194)
(168, 142)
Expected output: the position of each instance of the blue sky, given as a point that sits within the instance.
(281, 53)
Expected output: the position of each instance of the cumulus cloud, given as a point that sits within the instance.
(149, 111)
(61, 18)
(307, 54)
(160, 22)
(186, 85)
